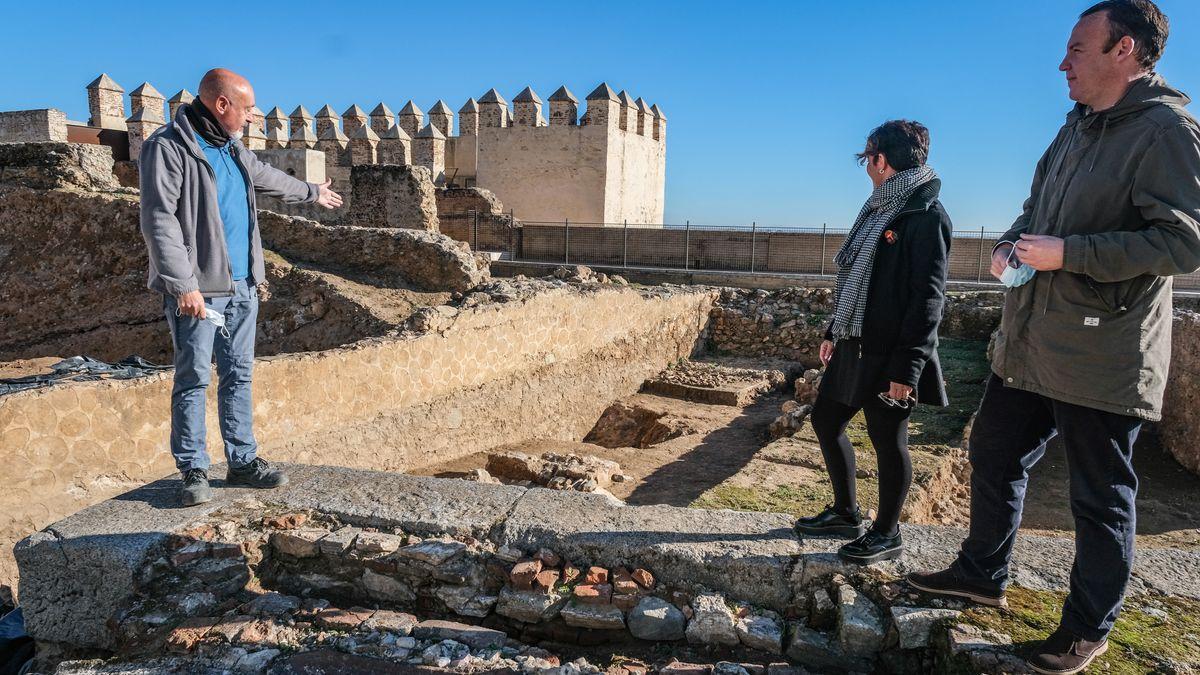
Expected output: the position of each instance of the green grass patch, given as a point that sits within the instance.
(1140, 642)
(965, 368)
(797, 500)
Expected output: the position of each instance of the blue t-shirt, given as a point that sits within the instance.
(234, 204)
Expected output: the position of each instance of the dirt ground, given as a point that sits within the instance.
(725, 460)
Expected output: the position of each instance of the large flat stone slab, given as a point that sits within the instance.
(744, 554)
(77, 572)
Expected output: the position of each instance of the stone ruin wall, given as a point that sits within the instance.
(1180, 427)
(541, 366)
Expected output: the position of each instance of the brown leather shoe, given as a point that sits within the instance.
(1063, 654)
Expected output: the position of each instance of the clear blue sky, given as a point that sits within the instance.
(766, 102)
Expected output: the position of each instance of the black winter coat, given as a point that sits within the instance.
(904, 308)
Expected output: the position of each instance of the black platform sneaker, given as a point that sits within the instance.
(833, 522)
(873, 546)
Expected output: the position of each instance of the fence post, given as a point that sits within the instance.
(625, 245)
(566, 241)
(824, 230)
(753, 243)
(979, 271)
(687, 243)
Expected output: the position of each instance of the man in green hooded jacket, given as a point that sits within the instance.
(1085, 338)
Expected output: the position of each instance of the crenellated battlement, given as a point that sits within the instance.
(564, 162)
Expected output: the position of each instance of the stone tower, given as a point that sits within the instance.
(412, 119)
(602, 107)
(353, 119)
(395, 146)
(106, 103)
(254, 138)
(493, 110)
(277, 133)
(363, 146)
(326, 119)
(140, 125)
(182, 96)
(300, 117)
(441, 117)
(643, 117)
(660, 123)
(564, 107)
(627, 116)
(147, 98)
(302, 137)
(527, 109)
(382, 119)
(468, 118)
(429, 150)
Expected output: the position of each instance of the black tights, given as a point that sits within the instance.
(887, 428)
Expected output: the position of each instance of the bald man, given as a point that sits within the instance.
(198, 185)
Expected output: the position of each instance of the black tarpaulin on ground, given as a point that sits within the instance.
(82, 369)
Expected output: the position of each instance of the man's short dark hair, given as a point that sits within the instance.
(1141, 20)
(905, 144)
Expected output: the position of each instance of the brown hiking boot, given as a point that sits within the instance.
(1063, 654)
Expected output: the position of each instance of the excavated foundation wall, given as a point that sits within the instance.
(537, 359)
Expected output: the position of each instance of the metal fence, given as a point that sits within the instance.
(742, 249)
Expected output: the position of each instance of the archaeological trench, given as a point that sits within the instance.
(567, 474)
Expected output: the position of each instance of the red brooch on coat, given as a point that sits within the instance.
(890, 236)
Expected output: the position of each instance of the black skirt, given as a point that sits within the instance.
(853, 376)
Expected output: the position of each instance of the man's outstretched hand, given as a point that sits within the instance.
(326, 197)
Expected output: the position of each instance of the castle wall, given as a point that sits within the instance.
(635, 182)
(546, 173)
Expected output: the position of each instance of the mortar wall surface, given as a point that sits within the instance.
(545, 366)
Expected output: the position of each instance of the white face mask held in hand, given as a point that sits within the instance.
(214, 317)
(1016, 273)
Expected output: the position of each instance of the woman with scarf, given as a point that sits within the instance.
(880, 350)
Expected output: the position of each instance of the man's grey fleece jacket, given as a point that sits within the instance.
(181, 220)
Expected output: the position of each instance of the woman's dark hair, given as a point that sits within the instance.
(1141, 20)
(905, 144)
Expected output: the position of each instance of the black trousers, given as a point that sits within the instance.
(1009, 436)
(887, 428)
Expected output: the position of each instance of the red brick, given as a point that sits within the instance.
(523, 573)
(545, 581)
(644, 578)
(623, 582)
(593, 594)
(596, 575)
(189, 632)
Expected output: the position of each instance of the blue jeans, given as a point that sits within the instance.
(1009, 436)
(195, 341)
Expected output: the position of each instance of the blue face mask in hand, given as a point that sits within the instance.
(1016, 273)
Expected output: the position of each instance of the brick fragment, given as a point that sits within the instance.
(596, 575)
(623, 582)
(643, 578)
(523, 574)
(545, 581)
(593, 594)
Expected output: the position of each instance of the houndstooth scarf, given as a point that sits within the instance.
(856, 258)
